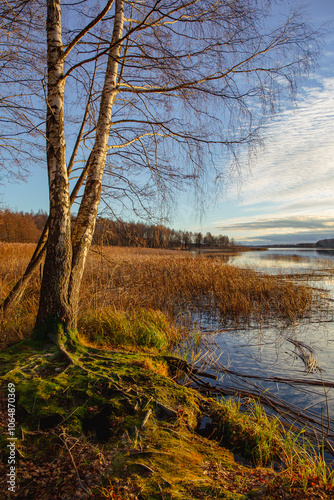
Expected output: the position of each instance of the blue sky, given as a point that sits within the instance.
(287, 197)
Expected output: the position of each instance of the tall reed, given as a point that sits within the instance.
(177, 281)
(174, 282)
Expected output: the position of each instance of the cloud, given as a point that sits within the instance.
(289, 223)
(289, 239)
(298, 163)
(273, 229)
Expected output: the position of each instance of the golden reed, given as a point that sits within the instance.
(174, 282)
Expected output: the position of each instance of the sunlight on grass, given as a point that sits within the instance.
(179, 284)
(140, 328)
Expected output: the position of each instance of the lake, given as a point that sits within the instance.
(303, 350)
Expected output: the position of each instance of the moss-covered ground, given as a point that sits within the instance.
(116, 425)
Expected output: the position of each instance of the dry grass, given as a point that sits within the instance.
(176, 283)
(13, 258)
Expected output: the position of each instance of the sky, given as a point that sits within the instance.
(287, 197)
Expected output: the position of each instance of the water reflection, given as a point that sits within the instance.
(325, 253)
(273, 353)
(283, 258)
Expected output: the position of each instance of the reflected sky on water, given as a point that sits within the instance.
(269, 351)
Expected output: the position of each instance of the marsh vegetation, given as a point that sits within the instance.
(179, 284)
(145, 308)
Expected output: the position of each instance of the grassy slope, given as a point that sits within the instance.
(119, 427)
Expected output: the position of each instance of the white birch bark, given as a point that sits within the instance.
(85, 223)
(54, 288)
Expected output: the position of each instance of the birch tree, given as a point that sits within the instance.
(149, 95)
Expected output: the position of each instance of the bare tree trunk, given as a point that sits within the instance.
(54, 308)
(85, 223)
(63, 268)
(16, 294)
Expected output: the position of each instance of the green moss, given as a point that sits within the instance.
(173, 464)
(52, 329)
(123, 409)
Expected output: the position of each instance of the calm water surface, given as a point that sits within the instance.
(266, 351)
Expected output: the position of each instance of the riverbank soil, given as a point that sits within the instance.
(116, 425)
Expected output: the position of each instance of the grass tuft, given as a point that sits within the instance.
(143, 328)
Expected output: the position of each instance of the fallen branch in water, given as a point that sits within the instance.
(315, 427)
(278, 380)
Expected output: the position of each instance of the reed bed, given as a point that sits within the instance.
(177, 283)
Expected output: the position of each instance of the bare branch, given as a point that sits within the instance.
(87, 28)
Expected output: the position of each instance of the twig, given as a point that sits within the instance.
(145, 467)
(75, 467)
(147, 416)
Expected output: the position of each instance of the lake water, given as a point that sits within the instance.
(277, 350)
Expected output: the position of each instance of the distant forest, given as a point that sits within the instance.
(19, 227)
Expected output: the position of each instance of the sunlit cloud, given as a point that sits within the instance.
(294, 177)
(297, 229)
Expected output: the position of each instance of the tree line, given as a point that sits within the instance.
(20, 227)
(26, 227)
(120, 233)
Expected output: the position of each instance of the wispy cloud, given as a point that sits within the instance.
(298, 164)
(294, 177)
(285, 224)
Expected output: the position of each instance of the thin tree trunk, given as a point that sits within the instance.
(85, 223)
(15, 295)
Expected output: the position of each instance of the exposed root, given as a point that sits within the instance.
(34, 362)
(67, 355)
